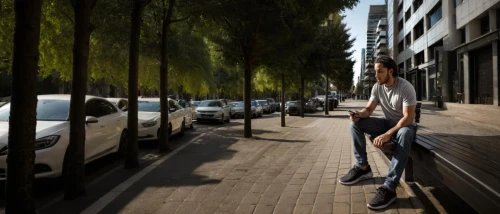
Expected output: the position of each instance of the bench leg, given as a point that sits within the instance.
(409, 170)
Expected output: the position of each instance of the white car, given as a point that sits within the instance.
(150, 118)
(121, 103)
(189, 113)
(105, 132)
(213, 110)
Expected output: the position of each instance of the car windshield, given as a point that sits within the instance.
(46, 110)
(196, 103)
(149, 106)
(210, 103)
(241, 104)
(262, 102)
(233, 104)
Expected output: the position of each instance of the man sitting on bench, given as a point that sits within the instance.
(397, 98)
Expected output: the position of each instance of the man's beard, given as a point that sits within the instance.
(384, 81)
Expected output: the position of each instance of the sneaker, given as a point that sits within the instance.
(356, 175)
(382, 199)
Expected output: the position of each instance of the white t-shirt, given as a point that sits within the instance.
(393, 99)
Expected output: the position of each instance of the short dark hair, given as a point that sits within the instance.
(389, 63)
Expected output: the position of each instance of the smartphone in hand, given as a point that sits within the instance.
(353, 113)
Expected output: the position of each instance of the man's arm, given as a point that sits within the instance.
(364, 113)
(406, 120)
(368, 110)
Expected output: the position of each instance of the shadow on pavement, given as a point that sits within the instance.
(282, 140)
(193, 166)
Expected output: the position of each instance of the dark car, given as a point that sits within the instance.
(293, 108)
(274, 104)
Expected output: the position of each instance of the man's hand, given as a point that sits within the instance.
(380, 140)
(354, 117)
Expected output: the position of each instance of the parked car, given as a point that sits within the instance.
(265, 105)
(310, 106)
(189, 113)
(293, 108)
(150, 118)
(2, 103)
(213, 110)
(274, 104)
(105, 132)
(121, 103)
(233, 106)
(195, 104)
(255, 107)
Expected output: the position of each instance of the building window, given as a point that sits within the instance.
(419, 58)
(408, 40)
(408, 64)
(462, 36)
(401, 47)
(435, 15)
(418, 30)
(498, 19)
(416, 4)
(408, 14)
(431, 51)
(400, 25)
(485, 24)
(400, 8)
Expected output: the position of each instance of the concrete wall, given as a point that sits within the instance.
(472, 9)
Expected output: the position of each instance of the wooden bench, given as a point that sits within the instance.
(468, 165)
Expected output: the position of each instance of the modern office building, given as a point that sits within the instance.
(425, 36)
(478, 23)
(376, 12)
(381, 41)
(363, 58)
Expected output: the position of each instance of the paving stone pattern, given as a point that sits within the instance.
(280, 170)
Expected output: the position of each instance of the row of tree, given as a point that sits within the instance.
(174, 44)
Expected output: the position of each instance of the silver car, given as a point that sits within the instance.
(213, 110)
(256, 108)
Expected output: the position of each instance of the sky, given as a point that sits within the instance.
(356, 19)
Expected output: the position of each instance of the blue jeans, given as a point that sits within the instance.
(376, 126)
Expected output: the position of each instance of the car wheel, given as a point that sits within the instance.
(122, 146)
(183, 128)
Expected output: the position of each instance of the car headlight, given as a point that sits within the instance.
(149, 123)
(46, 142)
(41, 143)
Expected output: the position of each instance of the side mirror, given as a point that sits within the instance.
(172, 109)
(90, 119)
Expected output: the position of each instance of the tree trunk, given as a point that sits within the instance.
(164, 127)
(74, 171)
(302, 103)
(327, 91)
(131, 156)
(247, 90)
(22, 122)
(282, 106)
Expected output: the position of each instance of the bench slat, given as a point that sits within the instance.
(483, 198)
(491, 155)
(467, 156)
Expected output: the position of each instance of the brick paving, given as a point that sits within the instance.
(280, 170)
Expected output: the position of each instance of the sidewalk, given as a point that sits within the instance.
(281, 170)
